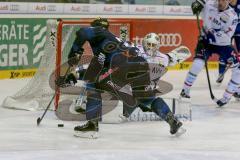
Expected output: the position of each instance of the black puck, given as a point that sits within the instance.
(60, 125)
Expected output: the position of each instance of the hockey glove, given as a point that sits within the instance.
(63, 81)
(74, 56)
(60, 82)
(71, 79)
(197, 6)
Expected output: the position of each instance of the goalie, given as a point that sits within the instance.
(147, 99)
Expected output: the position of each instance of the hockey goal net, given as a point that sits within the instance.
(60, 35)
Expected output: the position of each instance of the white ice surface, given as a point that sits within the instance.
(212, 135)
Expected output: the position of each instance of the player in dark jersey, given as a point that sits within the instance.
(105, 46)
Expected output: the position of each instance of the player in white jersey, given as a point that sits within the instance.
(219, 23)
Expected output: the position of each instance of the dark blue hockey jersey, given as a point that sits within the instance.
(101, 41)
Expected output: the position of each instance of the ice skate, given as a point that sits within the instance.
(175, 125)
(223, 101)
(184, 93)
(88, 130)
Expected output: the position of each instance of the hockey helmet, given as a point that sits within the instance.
(103, 22)
(151, 43)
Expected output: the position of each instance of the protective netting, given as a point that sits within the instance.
(37, 93)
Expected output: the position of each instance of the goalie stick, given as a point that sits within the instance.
(206, 64)
(49, 104)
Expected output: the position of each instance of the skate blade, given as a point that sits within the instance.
(89, 135)
(180, 132)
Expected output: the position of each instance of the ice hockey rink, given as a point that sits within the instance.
(213, 133)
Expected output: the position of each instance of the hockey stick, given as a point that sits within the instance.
(206, 65)
(49, 104)
(209, 83)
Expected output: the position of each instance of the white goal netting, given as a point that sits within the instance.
(36, 94)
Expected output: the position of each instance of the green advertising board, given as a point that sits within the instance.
(21, 46)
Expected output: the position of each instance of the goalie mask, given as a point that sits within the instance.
(103, 22)
(151, 43)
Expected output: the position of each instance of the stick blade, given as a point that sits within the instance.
(38, 121)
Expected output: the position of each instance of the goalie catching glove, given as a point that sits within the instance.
(178, 55)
